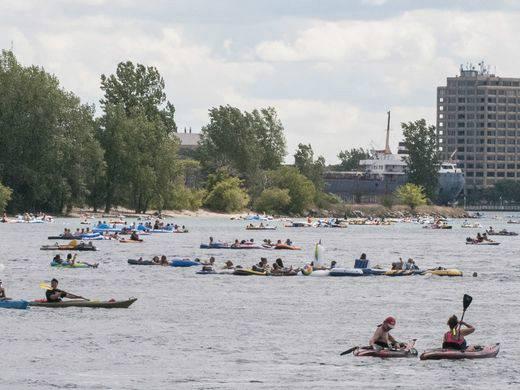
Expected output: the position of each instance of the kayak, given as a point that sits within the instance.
(289, 247)
(385, 353)
(183, 263)
(112, 304)
(87, 236)
(489, 351)
(445, 272)
(124, 241)
(12, 304)
(247, 272)
(75, 265)
(501, 233)
(346, 272)
(79, 247)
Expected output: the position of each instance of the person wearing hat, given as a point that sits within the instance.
(382, 337)
(2, 292)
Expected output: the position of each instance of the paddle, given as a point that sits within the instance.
(348, 351)
(466, 301)
(45, 286)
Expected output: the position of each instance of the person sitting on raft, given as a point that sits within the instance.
(228, 265)
(410, 265)
(479, 238)
(164, 260)
(288, 242)
(57, 259)
(398, 266)
(156, 260)
(333, 264)
(2, 292)
(134, 236)
(262, 266)
(454, 338)
(210, 263)
(382, 337)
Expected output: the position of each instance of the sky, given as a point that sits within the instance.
(331, 68)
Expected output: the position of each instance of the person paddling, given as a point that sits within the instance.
(454, 338)
(55, 295)
(382, 337)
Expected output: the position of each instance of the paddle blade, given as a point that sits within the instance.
(45, 286)
(466, 301)
(348, 351)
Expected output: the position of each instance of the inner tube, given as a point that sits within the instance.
(285, 246)
(183, 263)
(346, 272)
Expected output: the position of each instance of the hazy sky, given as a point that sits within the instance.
(332, 68)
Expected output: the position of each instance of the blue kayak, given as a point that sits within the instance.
(9, 304)
(183, 263)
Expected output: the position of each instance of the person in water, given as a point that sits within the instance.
(288, 242)
(382, 337)
(454, 338)
(2, 292)
(55, 295)
(164, 260)
(228, 265)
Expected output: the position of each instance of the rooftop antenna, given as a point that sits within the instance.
(12, 46)
(387, 144)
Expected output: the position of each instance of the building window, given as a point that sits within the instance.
(490, 174)
(510, 174)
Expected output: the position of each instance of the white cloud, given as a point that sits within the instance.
(331, 81)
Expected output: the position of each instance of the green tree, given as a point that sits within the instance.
(244, 142)
(423, 159)
(227, 195)
(139, 90)
(350, 159)
(273, 201)
(48, 153)
(411, 195)
(5, 196)
(310, 168)
(301, 190)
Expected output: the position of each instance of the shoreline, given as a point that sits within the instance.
(343, 211)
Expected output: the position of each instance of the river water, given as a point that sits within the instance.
(189, 331)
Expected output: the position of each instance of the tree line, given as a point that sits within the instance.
(56, 153)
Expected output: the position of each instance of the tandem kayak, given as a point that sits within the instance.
(489, 351)
(385, 353)
(12, 304)
(112, 304)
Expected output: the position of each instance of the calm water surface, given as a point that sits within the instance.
(218, 331)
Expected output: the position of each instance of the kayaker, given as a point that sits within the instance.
(454, 338)
(2, 291)
(382, 337)
(134, 237)
(333, 264)
(55, 295)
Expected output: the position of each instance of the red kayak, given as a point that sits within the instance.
(408, 351)
(489, 351)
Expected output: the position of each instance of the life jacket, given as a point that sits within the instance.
(453, 340)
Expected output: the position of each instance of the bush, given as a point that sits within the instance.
(301, 189)
(5, 196)
(388, 201)
(273, 201)
(411, 195)
(227, 195)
